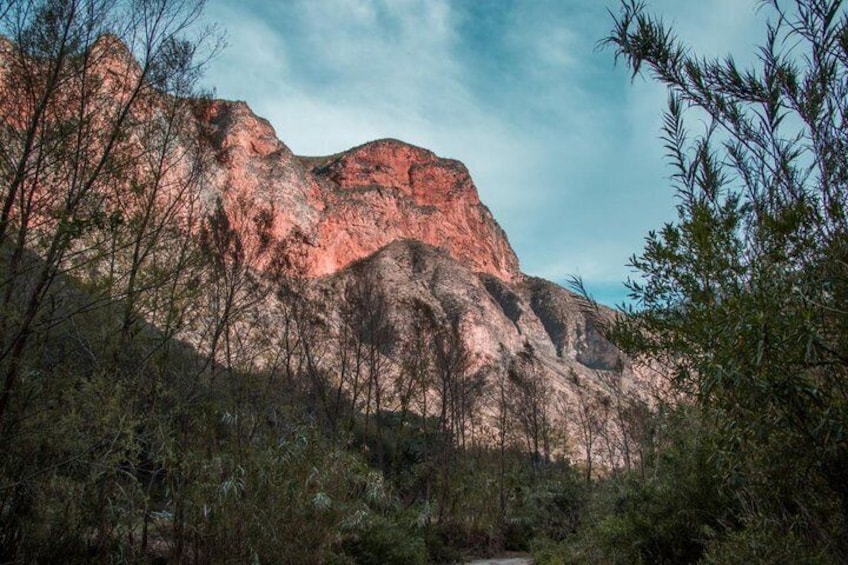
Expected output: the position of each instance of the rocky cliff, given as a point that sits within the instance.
(352, 204)
(412, 223)
(386, 215)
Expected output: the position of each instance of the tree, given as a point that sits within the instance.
(742, 298)
(77, 110)
(367, 337)
(587, 413)
(100, 172)
(530, 404)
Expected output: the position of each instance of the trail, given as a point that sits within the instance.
(503, 561)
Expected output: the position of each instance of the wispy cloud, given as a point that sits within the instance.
(561, 145)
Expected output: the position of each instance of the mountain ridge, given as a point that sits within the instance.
(394, 188)
(404, 213)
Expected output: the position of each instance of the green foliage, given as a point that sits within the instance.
(668, 516)
(548, 505)
(385, 541)
(546, 551)
(665, 513)
(741, 299)
(766, 541)
(297, 497)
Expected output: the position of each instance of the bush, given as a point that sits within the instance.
(741, 298)
(764, 541)
(442, 546)
(546, 551)
(386, 542)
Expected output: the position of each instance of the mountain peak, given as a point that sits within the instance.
(387, 189)
(349, 205)
(418, 173)
(115, 61)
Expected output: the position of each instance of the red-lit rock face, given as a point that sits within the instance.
(351, 205)
(412, 171)
(387, 190)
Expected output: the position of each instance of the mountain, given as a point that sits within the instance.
(376, 204)
(212, 348)
(411, 223)
(386, 216)
(352, 204)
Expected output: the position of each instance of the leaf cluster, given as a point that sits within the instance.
(742, 298)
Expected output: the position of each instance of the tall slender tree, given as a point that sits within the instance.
(742, 298)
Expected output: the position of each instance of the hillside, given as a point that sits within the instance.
(212, 349)
(370, 205)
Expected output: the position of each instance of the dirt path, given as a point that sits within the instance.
(503, 561)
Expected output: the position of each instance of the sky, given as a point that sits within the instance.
(562, 145)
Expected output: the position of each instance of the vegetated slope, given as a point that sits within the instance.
(214, 349)
(413, 224)
(409, 219)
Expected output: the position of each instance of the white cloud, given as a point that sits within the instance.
(561, 147)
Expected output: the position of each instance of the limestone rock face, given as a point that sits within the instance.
(255, 167)
(350, 205)
(388, 190)
(497, 318)
(393, 215)
(414, 219)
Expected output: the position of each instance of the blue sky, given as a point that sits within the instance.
(562, 146)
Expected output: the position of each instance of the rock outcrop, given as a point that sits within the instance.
(387, 190)
(415, 222)
(498, 319)
(350, 205)
(389, 214)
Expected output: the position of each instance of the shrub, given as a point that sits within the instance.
(384, 541)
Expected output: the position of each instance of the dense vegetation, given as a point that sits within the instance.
(170, 390)
(741, 303)
(164, 400)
